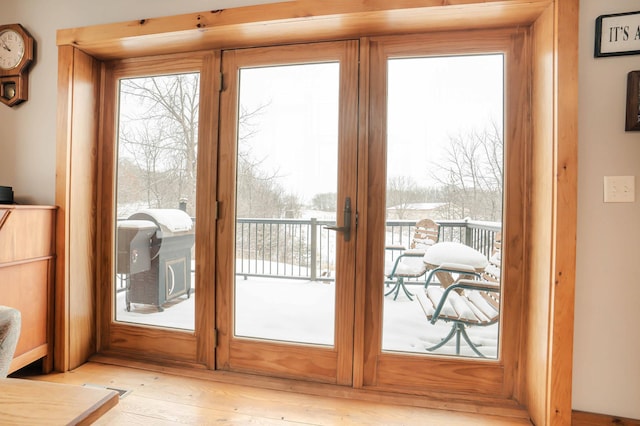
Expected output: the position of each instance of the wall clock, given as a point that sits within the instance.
(16, 55)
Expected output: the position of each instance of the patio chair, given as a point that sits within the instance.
(477, 304)
(426, 234)
(467, 302)
(493, 270)
(409, 263)
(10, 322)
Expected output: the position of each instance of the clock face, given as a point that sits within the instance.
(11, 49)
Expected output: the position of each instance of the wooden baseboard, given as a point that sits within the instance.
(582, 418)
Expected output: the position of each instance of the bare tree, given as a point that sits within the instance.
(159, 136)
(150, 150)
(326, 201)
(257, 189)
(159, 133)
(471, 174)
(402, 192)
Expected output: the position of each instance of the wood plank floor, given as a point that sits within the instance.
(165, 399)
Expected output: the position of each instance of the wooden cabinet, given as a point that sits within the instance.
(27, 251)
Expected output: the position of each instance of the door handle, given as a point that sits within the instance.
(346, 223)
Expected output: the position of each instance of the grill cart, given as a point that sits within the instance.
(154, 249)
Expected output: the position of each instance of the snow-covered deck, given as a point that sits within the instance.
(303, 311)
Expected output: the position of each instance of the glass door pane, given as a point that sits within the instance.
(288, 154)
(155, 200)
(444, 164)
(286, 193)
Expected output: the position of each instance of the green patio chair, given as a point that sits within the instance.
(477, 304)
(467, 302)
(409, 263)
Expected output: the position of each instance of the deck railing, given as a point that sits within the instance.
(304, 249)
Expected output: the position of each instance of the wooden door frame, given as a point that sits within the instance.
(313, 362)
(544, 385)
(419, 374)
(189, 347)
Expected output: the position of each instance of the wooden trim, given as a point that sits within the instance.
(75, 237)
(534, 351)
(551, 225)
(565, 169)
(82, 195)
(375, 154)
(206, 189)
(156, 342)
(29, 260)
(362, 262)
(226, 160)
(63, 178)
(518, 129)
(347, 187)
(279, 23)
(26, 207)
(105, 191)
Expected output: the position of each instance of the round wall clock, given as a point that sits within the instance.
(16, 55)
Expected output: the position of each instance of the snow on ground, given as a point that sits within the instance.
(303, 311)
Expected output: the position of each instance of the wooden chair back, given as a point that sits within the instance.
(426, 234)
(494, 269)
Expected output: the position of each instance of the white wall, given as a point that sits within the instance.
(607, 328)
(607, 319)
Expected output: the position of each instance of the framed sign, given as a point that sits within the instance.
(618, 34)
(633, 101)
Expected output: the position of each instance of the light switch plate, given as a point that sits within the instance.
(619, 189)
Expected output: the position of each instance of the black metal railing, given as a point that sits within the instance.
(477, 234)
(285, 248)
(304, 249)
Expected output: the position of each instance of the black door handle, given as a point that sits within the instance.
(346, 224)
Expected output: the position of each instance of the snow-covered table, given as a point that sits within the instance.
(449, 257)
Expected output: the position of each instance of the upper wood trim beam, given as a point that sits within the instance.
(302, 21)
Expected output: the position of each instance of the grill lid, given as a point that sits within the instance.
(169, 221)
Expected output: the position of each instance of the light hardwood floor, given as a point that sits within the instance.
(166, 399)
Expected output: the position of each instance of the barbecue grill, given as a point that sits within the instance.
(154, 250)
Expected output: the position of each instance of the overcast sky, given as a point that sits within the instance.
(430, 99)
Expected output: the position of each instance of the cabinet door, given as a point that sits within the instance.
(26, 233)
(26, 276)
(25, 287)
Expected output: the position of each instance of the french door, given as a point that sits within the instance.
(449, 116)
(158, 138)
(287, 185)
(305, 157)
(310, 120)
